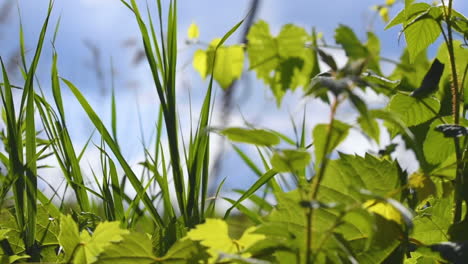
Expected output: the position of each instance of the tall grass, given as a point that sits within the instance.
(184, 171)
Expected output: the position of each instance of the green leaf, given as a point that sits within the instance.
(258, 137)
(349, 174)
(432, 223)
(91, 247)
(290, 160)
(283, 62)
(213, 234)
(354, 49)
(227, 66)
(461, 64)
(436, 147)
(135, 248)
(370, 126)
(413, 111)
(69, 237)
(262, 50)
(320, 134)
(83, 248)
(420, 33)
(407, 13)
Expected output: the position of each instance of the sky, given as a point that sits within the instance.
(108, 28)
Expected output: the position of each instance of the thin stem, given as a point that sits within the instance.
(455, 108)
(318, 178)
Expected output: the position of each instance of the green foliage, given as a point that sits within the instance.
(228, 65)
(344, 208)
(327, 137)
(282, 62)
(287, 160)
(259, 137)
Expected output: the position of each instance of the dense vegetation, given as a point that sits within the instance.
(342, 209)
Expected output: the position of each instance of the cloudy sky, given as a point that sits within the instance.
(108, 29)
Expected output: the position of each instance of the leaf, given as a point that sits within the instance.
(69, 237)
(436, 147)
(105, 234)
(350, 174)
(432, 223)
(413, 111)
(282, 62)
(430, 83)
(423, 185)
(186, 251)
(321, 132)
(384, 209)
(258, 137)
(290, 160)
(135, 248)
(193, 32)
(461, 64)
(452, 130)
(421, 33)
(370, 127)
(407, 13)
(328, 59)
(201, 63)
(227, 66)
(83, 248)
(213, 234)
(354, 49)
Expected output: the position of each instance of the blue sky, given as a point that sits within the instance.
(110, 27)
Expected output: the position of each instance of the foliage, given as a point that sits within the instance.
(329, 207)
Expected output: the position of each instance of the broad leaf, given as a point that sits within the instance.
(413, 111)
(135, 248)
(432, 223)
(322, 133)
(290, 160)
(282, 62)
(354, 49)
(227, 66)
(213, 234)
(349, 174)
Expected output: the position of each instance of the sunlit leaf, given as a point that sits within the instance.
(259, 137)
(322, 133)
(384, 209)
(193, 32)
(413, 111)
(227, 66)
(290, 160)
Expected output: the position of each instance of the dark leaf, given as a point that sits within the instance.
(452, 130)
(431, 80)
(455, 252)
(328, 59)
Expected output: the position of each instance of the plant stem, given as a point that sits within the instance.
(455, 109)
(317, 179)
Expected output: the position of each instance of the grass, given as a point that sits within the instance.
(184, 171)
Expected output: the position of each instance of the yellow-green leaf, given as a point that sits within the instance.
(290, 160)
(200, 63)
(193, 31)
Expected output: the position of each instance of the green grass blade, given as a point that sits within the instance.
(257, 185)
(136, 183)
